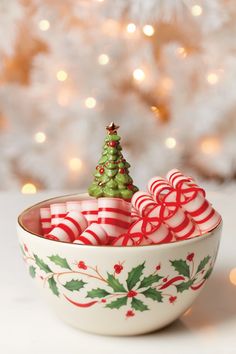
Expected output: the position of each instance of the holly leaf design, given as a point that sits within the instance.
(153, 294)
(43, 266)
(184, 286)
(74, 285)
(203, 263)
(62, 262)
(97, 293)
(208, 273)
(32, 271)
(138, 305)
(134, 276)
(116, 304)
(53, 286)
(148, 281)
(181, 267)
(115, 284)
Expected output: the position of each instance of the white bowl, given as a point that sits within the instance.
(116, 290)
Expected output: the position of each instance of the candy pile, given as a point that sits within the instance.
(173, 209)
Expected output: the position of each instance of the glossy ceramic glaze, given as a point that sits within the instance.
(116, 290)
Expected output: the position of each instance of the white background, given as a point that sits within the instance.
(28, 326)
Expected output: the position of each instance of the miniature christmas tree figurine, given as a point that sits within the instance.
(111, 178)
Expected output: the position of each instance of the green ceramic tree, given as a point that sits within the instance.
(111, 178)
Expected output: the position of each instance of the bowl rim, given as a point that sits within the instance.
(66, 244)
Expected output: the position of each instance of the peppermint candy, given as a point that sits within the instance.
(74, 206)
(58, 212)
(89, 208)
(193, 201)
(69, 228)
(45, 220)
(114, 214)
(142, 202)
(94, 235)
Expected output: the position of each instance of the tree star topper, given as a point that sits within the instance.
(112, 128)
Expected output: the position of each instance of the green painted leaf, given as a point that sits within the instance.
(153, 294)
(116, 304)
(32, 271)
(134, 276)
(147, 281)
(97, 293)
(181, 267)
(62, 262)
(208, 273)
(184, 286)
(203, 262)
(53, 286)
(138, 305)
(43, 266)
(74, 285)
(115, 284)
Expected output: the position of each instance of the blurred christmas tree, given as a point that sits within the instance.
(163, 69)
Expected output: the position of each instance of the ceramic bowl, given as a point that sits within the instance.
(116, 290)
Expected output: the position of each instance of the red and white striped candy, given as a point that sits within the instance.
(158, 187)
(193, 201)
(150, 234)
(69, 228)
(58, 212)
(143, 202)
(73, 205)
(114, 214)
(134, 215)
(89, 209)
(175, 178)
(94, 235)
(45, 220)
(124, 240)
(173, 216)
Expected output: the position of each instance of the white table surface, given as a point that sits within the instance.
(27, 325)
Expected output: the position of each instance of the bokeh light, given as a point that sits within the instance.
(40, 137)
(28, 188)
(90, 102)
(62, 75)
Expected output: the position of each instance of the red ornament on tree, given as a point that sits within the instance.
(112, 143)
(101, 171)
(122, 171)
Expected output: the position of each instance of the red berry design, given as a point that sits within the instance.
(129, 313)
(112, 143)
(26, 248)
(158, 267)
(101, 171)
(190, 257)
(131, 293)
(82, 265)
(164, 280)
(103, 300)
(118, 268)
(122, 171)
(172, 299)
(130, 187)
